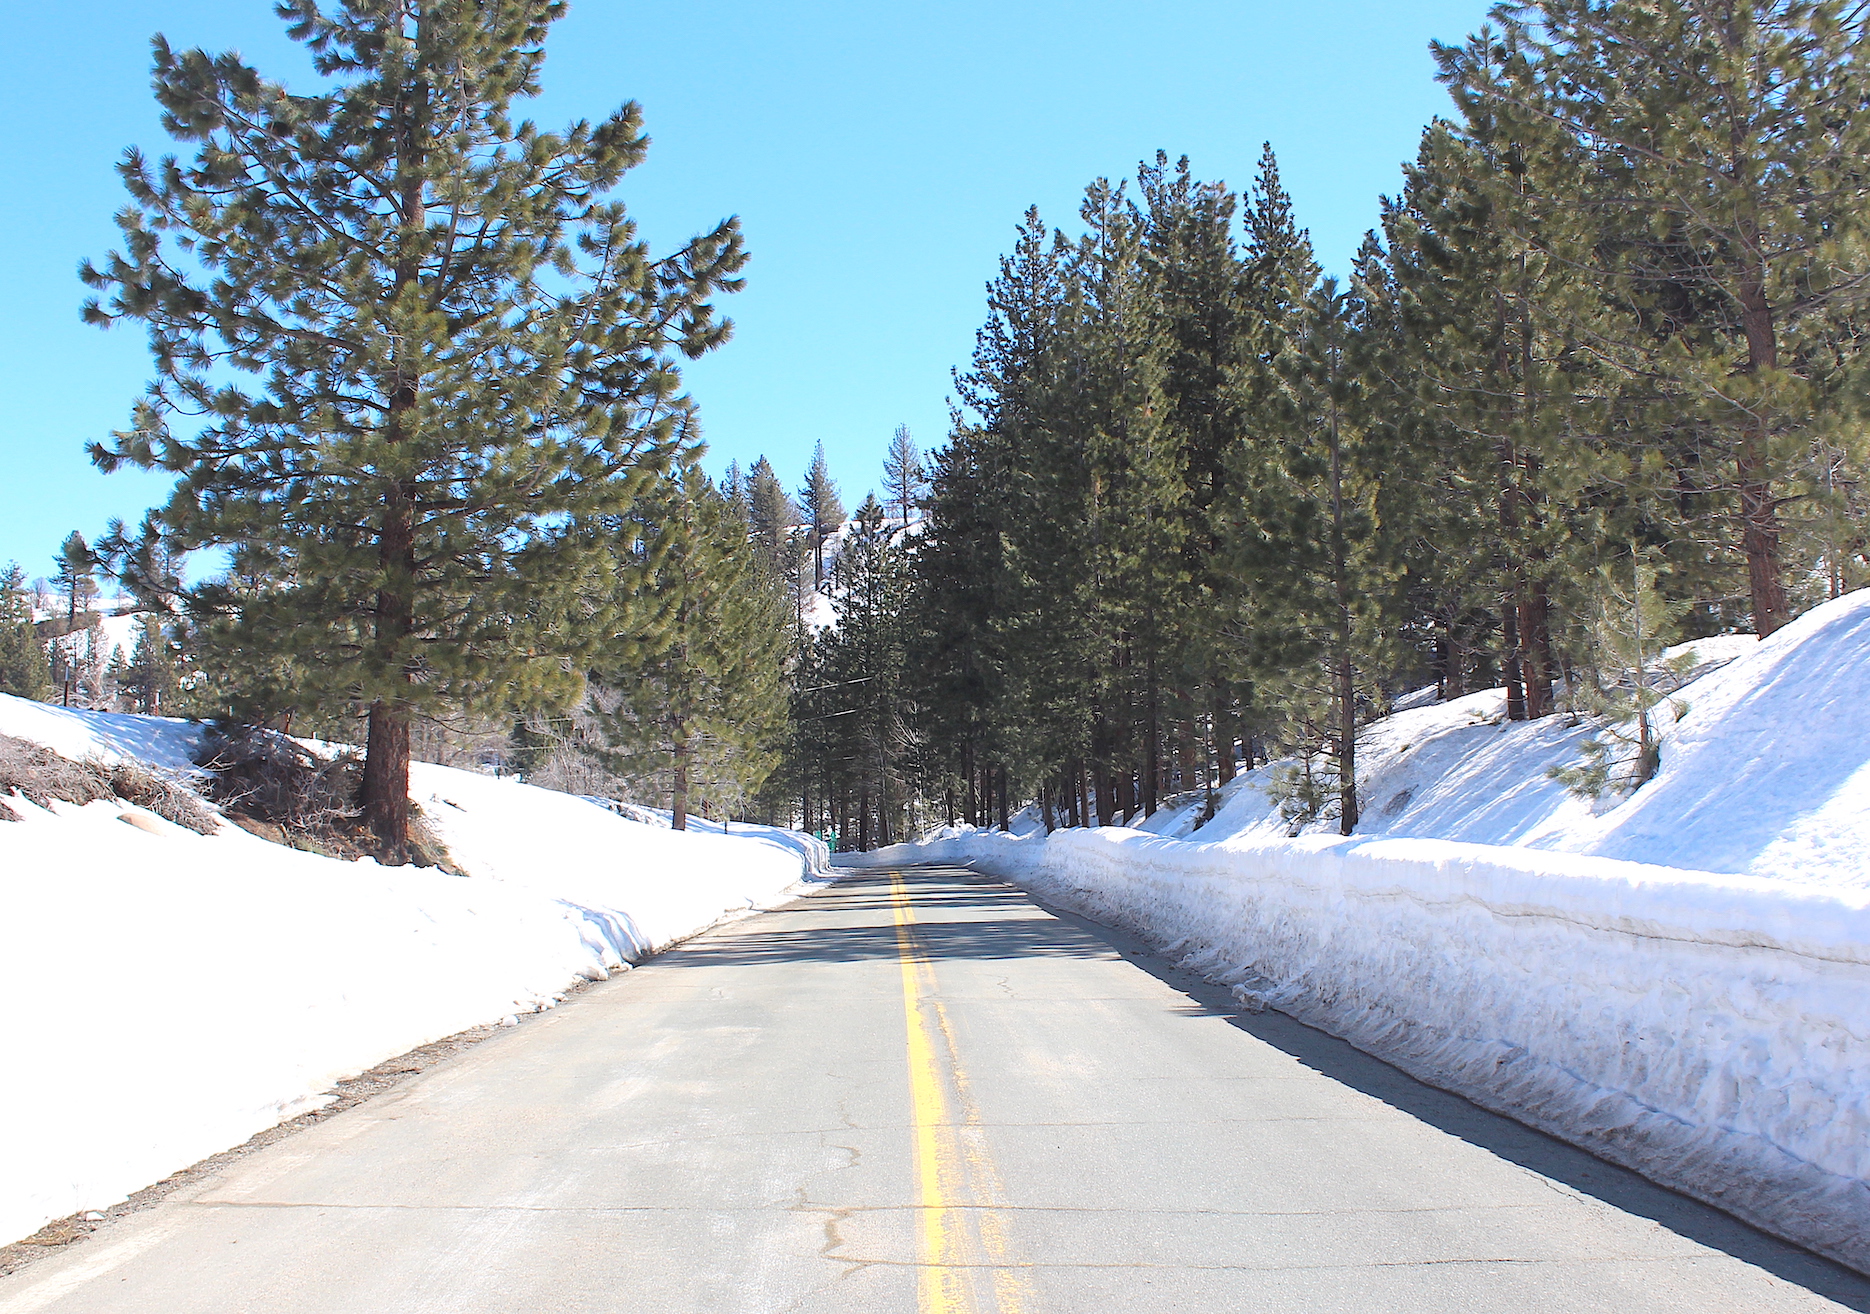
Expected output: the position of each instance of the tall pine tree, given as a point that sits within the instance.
(429, 347)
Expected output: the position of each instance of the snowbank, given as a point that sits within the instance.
(170, 994)
(1712, 1032)
(1706, 1022)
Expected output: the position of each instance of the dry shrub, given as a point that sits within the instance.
(264, 776)
(41, 777)
(275, 787)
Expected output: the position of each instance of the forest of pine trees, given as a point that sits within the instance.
(1202, 505)
(1206, 506)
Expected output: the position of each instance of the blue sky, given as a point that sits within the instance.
(879, 157)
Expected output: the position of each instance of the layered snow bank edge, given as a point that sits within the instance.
(171, 994)
(1711, 1032)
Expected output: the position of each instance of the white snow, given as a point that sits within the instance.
(170, 994)
(1767, 773)
(1681, 983)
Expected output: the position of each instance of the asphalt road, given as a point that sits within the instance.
(920, 1092)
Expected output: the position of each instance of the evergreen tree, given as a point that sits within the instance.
(1721, 148)
(862, 661)
(76, 586)
(149, 678)
(903, 476)
(823, 509)
(430, 347)
(74, 578)
(772, 515)
(24, 670)
(699, 664)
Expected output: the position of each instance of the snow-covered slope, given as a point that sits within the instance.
(1767, 773)
(169, 994)
(1680, 983)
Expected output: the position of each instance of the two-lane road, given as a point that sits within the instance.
(919, 1091)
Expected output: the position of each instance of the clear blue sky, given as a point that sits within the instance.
(878, 155)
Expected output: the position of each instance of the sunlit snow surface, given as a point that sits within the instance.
(1767, 773)
(169, 994)
(1681, 983)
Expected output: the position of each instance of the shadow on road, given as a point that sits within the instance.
(993, 920)
(979, 920)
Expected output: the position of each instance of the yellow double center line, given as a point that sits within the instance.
(965, 1262)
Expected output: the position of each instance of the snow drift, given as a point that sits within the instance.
(1709, 1028)
(170, 994)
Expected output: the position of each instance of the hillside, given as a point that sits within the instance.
(1767, 773)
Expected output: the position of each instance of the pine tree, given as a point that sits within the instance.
(867, 740)
(1721, 148)
(150, 675)
(76, 587)
(903, 475)
(1632, 621)
(430, 347)
(699, 662)
(24, 670)
(823, 509)
(772, 515)
(74, 578)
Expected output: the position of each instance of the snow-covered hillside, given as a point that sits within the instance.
(169, 994)
(1767, 772)
(1679, 980)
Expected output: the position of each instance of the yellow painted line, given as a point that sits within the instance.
(964, 1253)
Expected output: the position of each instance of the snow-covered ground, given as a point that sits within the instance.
(1679, 980)
(170, 994)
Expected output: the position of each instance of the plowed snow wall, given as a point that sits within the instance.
(1711, 1032)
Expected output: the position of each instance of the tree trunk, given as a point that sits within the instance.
(1509, 660)
(968, 801)
(1531, 627)
(1759, 510)
(384, 793)
(1189, 774)
(678, 785)
(1225, 732)
(1346, 673)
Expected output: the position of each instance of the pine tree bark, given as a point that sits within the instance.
(1152, 738)
(1531, 629)
(1510, 659)
(384, 792)
(1346, 673)
(678, 781)
(385, 787)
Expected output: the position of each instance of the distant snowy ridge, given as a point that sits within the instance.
(170, 994)
(1710, 1029)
